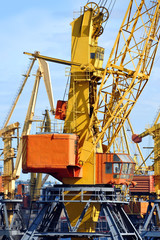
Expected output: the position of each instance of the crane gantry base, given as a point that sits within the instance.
(17, 226)
(49, 223)
(151, 227)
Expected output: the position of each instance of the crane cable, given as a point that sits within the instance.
(111, 6)
(103, 3)
(110, 11)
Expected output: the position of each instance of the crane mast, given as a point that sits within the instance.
(83, 83)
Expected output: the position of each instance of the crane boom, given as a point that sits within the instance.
(126, 74)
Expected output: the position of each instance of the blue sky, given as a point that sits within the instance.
(36, 25)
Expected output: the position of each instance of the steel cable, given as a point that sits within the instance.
(110, 11)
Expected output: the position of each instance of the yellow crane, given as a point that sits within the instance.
(98, 117)
(154, 202)
(97, 113)
(154, 131)
(8, 133)
(126, 74)
(100, 99)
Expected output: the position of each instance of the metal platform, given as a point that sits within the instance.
(16, 227)
(48, 222)
(52, 221)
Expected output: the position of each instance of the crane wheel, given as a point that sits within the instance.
(105, 13)
(93, 6)
(99, 31)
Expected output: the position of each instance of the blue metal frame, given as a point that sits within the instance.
(150, 229)
(119, 227)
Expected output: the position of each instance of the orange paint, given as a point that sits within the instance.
(56, 154)
(61, 110)
(114, 168)
(145, 184)
(136, 208)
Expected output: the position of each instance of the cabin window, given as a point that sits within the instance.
(124, 158)
(116, 176)
(125, 176)
(116, 167)
(125, 168)
(101, 55)
(92, 55)
(108, 167)
(131, 168)
(116, 158)
(97, 55)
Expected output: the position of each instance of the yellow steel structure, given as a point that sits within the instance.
(43, 71)
(123, 144)
(95, 117)
(98, 117)
(11, 170)
(82, 95)
(84, 78)
(8, 133)
(125, 76)
(154, 131)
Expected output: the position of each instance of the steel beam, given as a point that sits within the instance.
(114, 230)
(31, 231)
(50, 59)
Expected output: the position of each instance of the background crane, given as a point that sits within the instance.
(153, 203)
(154, 132)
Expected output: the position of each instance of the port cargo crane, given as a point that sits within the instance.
(8, 133)
(95, 114)
(153, 131)
(129, 76)
(150, 224)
